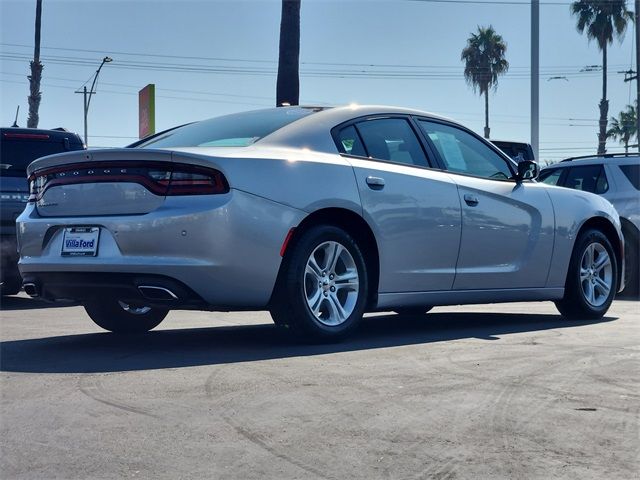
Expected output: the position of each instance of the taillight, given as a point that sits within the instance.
(160, 178)
(196, 181)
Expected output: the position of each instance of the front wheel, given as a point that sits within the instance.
(592, 278)
(120, 317)
(322, 288)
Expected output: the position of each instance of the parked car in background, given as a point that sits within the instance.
(18, 148)
(518, 151)
(615, 177)
(317, 214)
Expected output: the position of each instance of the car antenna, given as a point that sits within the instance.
(15, 122)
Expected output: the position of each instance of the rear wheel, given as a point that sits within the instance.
(322, 289)
(120, 317)
(592, 278)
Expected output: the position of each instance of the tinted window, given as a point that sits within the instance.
(392, 139)
(236, 130)
(590, 178)
(551, 177)
(632, 172)
(461, 152)
(349, 142)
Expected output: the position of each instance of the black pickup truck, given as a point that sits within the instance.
(18, 148)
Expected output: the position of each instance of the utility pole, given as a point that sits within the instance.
(535, 77)
(87, 98)
(637, 27)
(630, 75)
(86, 114)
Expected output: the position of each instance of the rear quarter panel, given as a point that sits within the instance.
(298, 178)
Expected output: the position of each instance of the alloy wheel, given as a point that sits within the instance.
(596, 274)
(331, 283)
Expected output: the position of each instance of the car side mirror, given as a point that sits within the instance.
(527, 170)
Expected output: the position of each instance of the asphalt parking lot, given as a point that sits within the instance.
(497, 391)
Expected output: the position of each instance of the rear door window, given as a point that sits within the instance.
(350, 142)
(589, 178)
(393, 140)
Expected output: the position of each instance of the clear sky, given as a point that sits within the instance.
(209, 58)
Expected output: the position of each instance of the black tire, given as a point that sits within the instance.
(289, 305)
(414, 311)
(632, 264)
(10, 287)
(575, 304)
(113, 315)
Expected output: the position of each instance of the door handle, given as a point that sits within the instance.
(471, 200)
(375, 183)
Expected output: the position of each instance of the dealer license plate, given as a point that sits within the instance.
(80, 241)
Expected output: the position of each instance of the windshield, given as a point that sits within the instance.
(235, 130)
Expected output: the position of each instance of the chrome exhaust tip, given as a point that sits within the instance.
(152, 292)
(31, 289)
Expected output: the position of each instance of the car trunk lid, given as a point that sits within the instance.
(100, 182)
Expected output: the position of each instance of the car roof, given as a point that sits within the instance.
(347, 112)
(612, 158)
(312, 131)
(603, 157)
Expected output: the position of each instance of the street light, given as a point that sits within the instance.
(87, 97)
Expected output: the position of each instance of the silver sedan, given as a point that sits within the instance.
(316, 214)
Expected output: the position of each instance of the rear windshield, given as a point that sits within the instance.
(17, 154)
(235, 130)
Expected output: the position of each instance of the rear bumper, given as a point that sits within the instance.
(168, 293)
(225, 249)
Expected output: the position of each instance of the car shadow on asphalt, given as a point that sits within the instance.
(26, 303)
(105, 352)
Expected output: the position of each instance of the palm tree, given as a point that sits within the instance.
(602, 20)
(288, 82)
(484, 63)
(623, 128)
(36, 74)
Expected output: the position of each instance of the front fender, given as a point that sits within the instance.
(573, 209)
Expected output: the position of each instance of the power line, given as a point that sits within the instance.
(205, 69)
(137, 87)
(496, 2)
(551, 68)
(115, 92)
